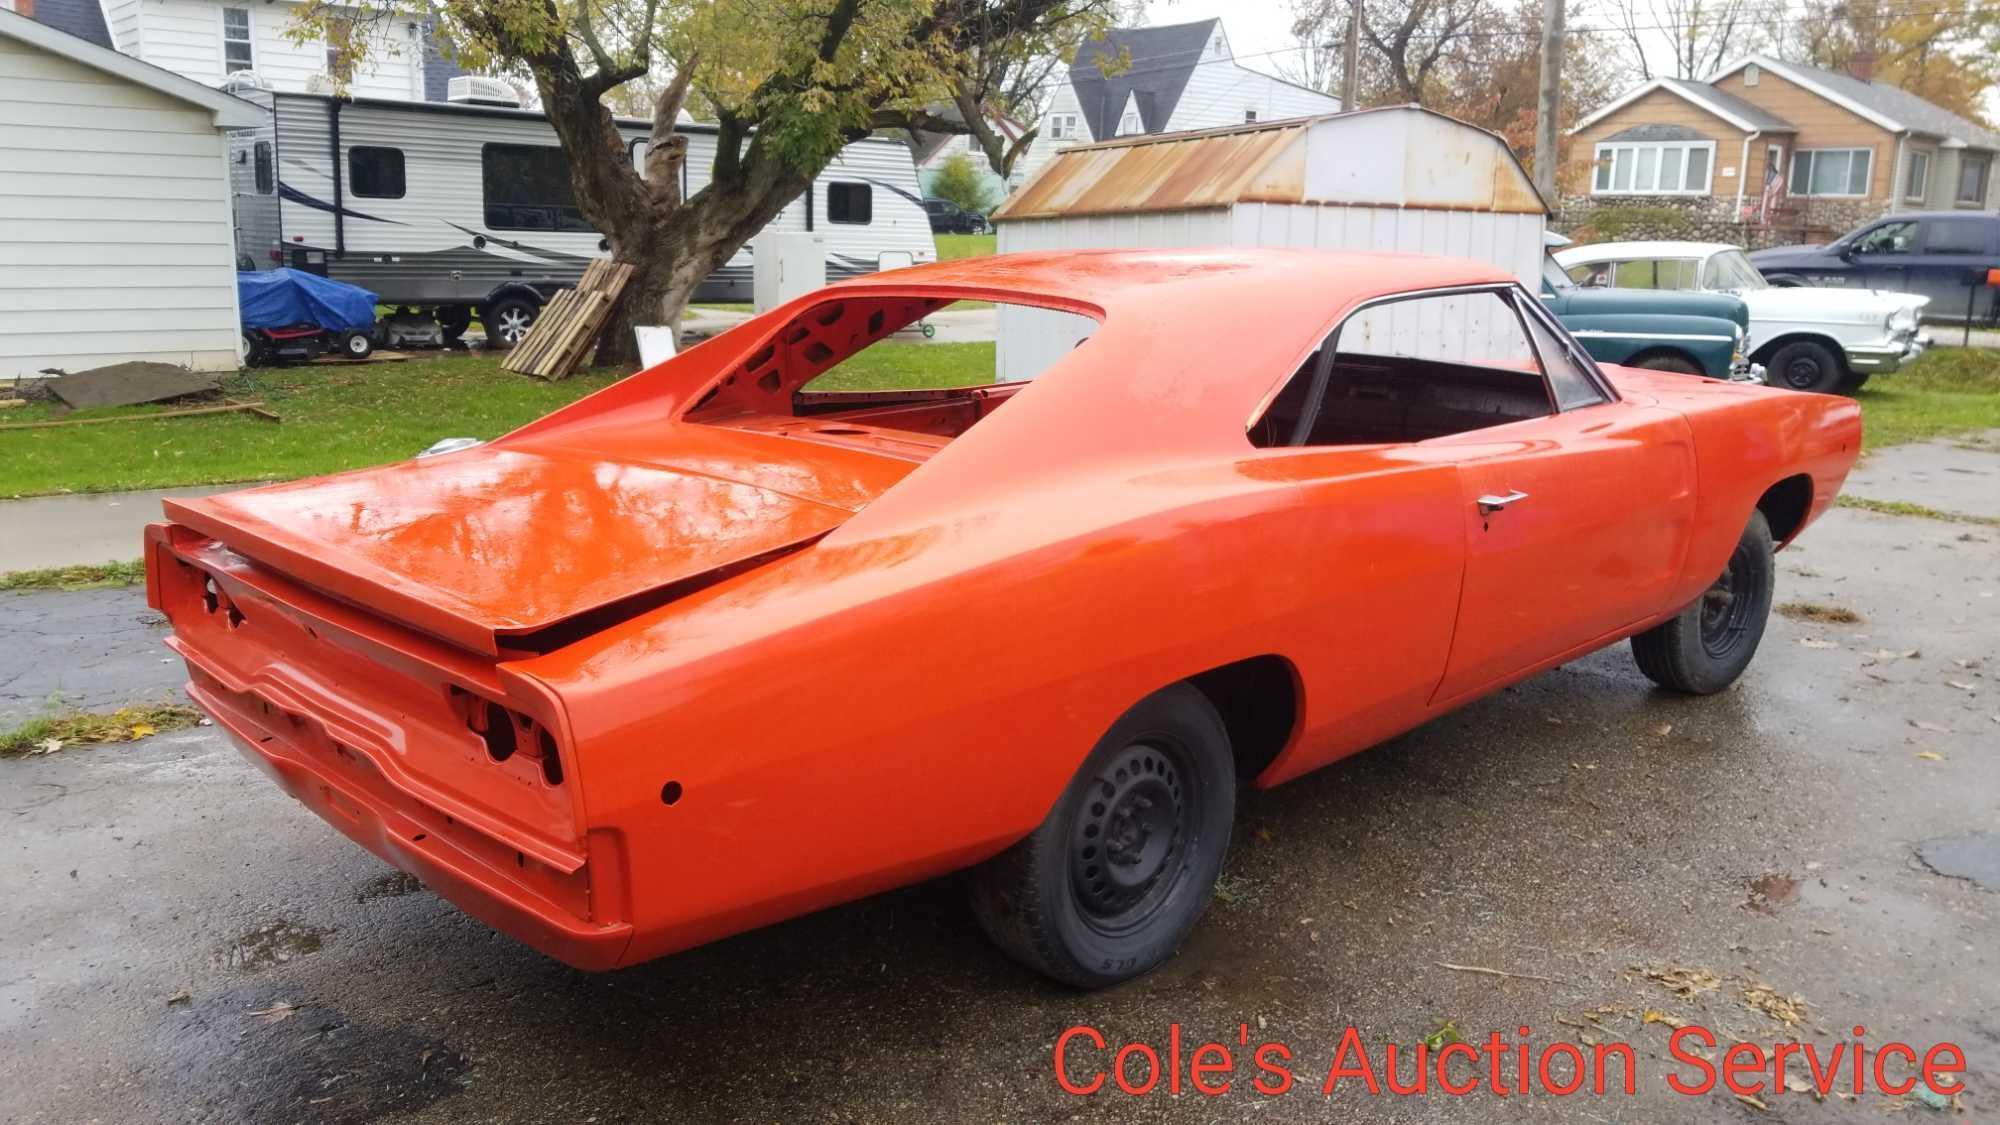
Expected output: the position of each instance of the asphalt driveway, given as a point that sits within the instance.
(1790, 859)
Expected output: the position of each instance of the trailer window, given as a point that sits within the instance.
(375, 173)
(527, 188)
(263, 168)
(850, 203)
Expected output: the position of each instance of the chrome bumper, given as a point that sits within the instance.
(1879, 359)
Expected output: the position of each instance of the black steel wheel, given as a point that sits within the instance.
(1120, 870)
(1706, 646)
(1806, 365)
(454, 319)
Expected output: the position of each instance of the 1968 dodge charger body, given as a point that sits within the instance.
(708, 649)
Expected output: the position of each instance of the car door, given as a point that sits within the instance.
(1881, 255)
(1575, 524)
(1948, 252)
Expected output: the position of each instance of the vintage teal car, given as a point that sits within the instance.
(1665, 330)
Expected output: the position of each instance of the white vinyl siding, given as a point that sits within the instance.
(198, 39)
(1222, 93)
(1832, 172)
(1654, 168)
(114, 215)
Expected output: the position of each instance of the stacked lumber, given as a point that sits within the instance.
(568, 327)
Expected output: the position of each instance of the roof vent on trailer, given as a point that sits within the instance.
(472, 89)
(236, 81)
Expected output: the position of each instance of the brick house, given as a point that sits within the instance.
(1766, 152)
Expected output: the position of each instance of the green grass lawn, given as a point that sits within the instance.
(1948, 392)
(954, 246)
(342, 417)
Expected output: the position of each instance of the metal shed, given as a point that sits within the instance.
(1396, 178)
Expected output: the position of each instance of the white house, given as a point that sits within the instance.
(1163, 80)
(115, 239)
(1398, 178)
(931, 150)
(217, 42)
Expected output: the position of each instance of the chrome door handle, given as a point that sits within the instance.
(1489, 503)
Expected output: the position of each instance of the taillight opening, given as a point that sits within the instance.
(507, 732)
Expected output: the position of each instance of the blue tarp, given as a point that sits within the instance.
(281, 298)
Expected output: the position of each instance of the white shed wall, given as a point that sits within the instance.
(1030, 339)
(115, 236)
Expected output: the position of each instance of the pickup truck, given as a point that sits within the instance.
(1942, 255)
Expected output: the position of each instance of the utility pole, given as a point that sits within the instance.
(1548, 108)
(1350, 59)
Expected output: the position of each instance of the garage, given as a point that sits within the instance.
(115, 238)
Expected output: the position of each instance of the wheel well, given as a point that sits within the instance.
(513, 292)
(1770, 348)
(1651, 353)
(1258, 700)
(1785, 505)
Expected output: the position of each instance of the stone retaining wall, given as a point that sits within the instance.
(1705, 218)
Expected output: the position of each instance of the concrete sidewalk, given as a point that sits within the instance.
(96, 527)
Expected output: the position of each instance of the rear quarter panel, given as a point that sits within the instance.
(880, 709)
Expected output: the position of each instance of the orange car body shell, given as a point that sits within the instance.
(787, 665)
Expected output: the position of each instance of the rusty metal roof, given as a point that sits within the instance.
(1263, 162)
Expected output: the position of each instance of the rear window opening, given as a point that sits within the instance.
(1424, 367)
(844, 372)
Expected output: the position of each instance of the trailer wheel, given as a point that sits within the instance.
(454, 319)
(356, 345)
(507, 322)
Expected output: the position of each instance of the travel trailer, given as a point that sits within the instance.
(463, 208)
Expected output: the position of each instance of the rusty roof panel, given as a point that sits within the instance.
(1462, 168)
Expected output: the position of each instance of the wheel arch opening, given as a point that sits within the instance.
(1662, 351)
(1785, 505)
(1258, 699)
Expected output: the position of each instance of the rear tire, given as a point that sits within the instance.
(1671, 361)
(1855, 381)
(1702, 649)
(356, 345)
(1112, 881)
(1806, 365)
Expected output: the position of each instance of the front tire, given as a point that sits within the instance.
(1112, 881)
(1702, 649)
(1806, 365)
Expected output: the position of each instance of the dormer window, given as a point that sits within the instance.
(1128, 124)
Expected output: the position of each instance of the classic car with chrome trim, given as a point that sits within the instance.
(1660, 330)
(714, 647)
(1807, 339)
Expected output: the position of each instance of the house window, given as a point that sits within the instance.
(1249, 115)
(1672, 168)
(850, 203)
(1129, 124)
(262, 156)
(1062, 126)
(526, 187)
(1972, 175)
(236, 52)
(1832, 171)
(1917, 179)
(1750, 74)
(375, 173)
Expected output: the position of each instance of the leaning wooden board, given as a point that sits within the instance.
(569, 326)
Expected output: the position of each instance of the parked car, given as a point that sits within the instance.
(949, 218)
(1662, 330)
(291, 316)
(1807, 341)
(1942, 255)
(709, 649)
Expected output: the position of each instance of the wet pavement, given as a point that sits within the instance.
(84, 529)
(184, 943)
(1962, 475)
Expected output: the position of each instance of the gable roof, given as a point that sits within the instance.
(229, 112)
(1162, 59)
(81, 18)
(1742, 114)
(1891, 107)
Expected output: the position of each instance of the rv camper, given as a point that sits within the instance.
(463, 208)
